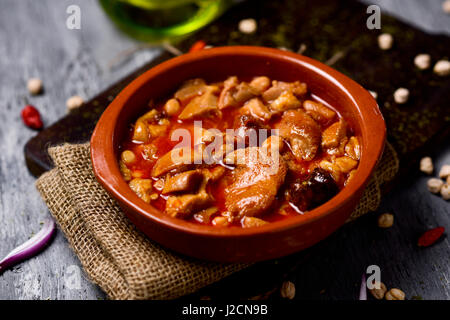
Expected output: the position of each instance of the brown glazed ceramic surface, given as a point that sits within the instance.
(275, 239)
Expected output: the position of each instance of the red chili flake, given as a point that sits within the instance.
(197, 46)
(31, 117)
(430, 237)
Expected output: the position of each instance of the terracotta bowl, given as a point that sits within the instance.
(273, 240)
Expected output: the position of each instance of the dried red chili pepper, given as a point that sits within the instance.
(197, 46)
(430, 237)
(31, 117)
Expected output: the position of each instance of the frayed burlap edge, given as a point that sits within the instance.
(120, 259)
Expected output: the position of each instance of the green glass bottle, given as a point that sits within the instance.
(163, 20)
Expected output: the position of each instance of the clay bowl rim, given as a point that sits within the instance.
(105, 164)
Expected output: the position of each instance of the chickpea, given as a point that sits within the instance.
(385, 41)
(395, 294)
(444, 172)
(422, 61)
(426, 165)
(74, 103)
(380, 292)
(137, 174)
(250, 222)
(435, 185)
(445, 191)
(446, 6)
(34, 86)
(442, 68)
(248, 26)
(126, 173)
(128, 157)
(287, 290)
(154, 196)
(386, 220)
(401, 95)
(220, 221)
(172, 107)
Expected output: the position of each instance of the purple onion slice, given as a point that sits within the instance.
(30, 248)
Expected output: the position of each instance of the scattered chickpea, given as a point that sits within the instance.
(446, 6)
(445, 171)
(422, 61)
(74, 103)
(287, 290)
(380, 292)
(401, 95)
(172, 107)
(445, 191)
(248, 26)
(395, 294)
(385, 41)
(442, 68)
(426, 165)
(34, 86)
(128, 157)
(435, 185)
(385, 220)
(374, 94)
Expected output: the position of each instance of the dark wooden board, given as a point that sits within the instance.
(340, 34)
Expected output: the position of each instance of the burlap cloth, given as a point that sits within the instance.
(120, 259)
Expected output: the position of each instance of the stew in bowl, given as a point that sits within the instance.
(238, 153)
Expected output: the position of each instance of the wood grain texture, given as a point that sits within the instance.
(34, 41)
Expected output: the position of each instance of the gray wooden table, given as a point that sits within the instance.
(35, 42)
